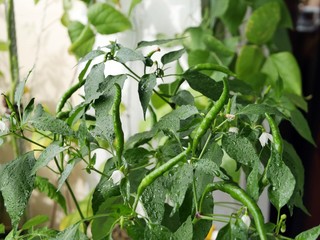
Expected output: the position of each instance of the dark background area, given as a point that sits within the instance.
(306, 48)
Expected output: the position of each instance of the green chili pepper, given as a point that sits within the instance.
(119, 143)
(212, 66)
(211, 115)
(240, 195)
(277, 140)
(151, 177)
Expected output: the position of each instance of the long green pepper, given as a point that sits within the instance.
(211, 115)
(119, 137)
(240, 195)
(277, 139)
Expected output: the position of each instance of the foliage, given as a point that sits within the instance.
(156, 184)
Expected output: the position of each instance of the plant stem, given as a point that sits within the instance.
(13, 60)
(13, 52)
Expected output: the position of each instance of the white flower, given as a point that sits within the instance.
(140, 210)
(152, 164)
(246, 219)
(234, 129)
(230, 117)
(116, 177)
(264, 138)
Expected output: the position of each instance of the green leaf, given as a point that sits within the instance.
(91, 55)
(288, 70)
(204, 84)
(249, 62)
(299, 122)
(27, 111)
(157, 232)
(218, 7)
(47, 155)
(172, 56)
(183, 97)
(107, 19)
(281, 179)
(137, 156)
(177, 183)
(72, 232)
(234, 15)
(19, 92)
(133, 4)
(66, 172)
(105, 188)
(171, 121)
(233, 230)
(298, 101)
(240, 149)
(94, 79)
(44, 186)
(153, 200)
(42, 120)
(82, 38)
(185, 231)
(260, 109)
(261, 27)
(311, 234)
(145, 88)
(124, 55)
(37, 220)
(156, 42)
(2, 228)
(253, 183)
(114, 208)
(16, 185)
(216, 46)
(293, 161)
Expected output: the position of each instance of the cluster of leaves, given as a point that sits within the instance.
(103, 18)
(263, 79)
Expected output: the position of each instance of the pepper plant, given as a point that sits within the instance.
(160, 183)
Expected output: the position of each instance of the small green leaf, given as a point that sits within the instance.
(172, 56)
(261, 27)
(47, 155)
(218, 7)
(216, 46)
(293, 161)
(260, 109)
(157, 232)
(37, 220)
(240, 149)
(171, 121)
(311, 234)
(234, 15)
(94, 79)
(185, 231)
(253, 183)
(288, 70)
(233, 230)
(92, 55)
(107, 19)
(19, 92)
(183, 97)
(124, 55)
(72, 232)
(156, 42)
(281, 179)
(133, 4)
(44, 186)
(299, 122)
(204, 84)
(16, 185)
(27, 111)
(2, 228)
(145, 88)
(177, 183)
(45, 122)
(66, 172)
(82, 38)
(249, 62)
